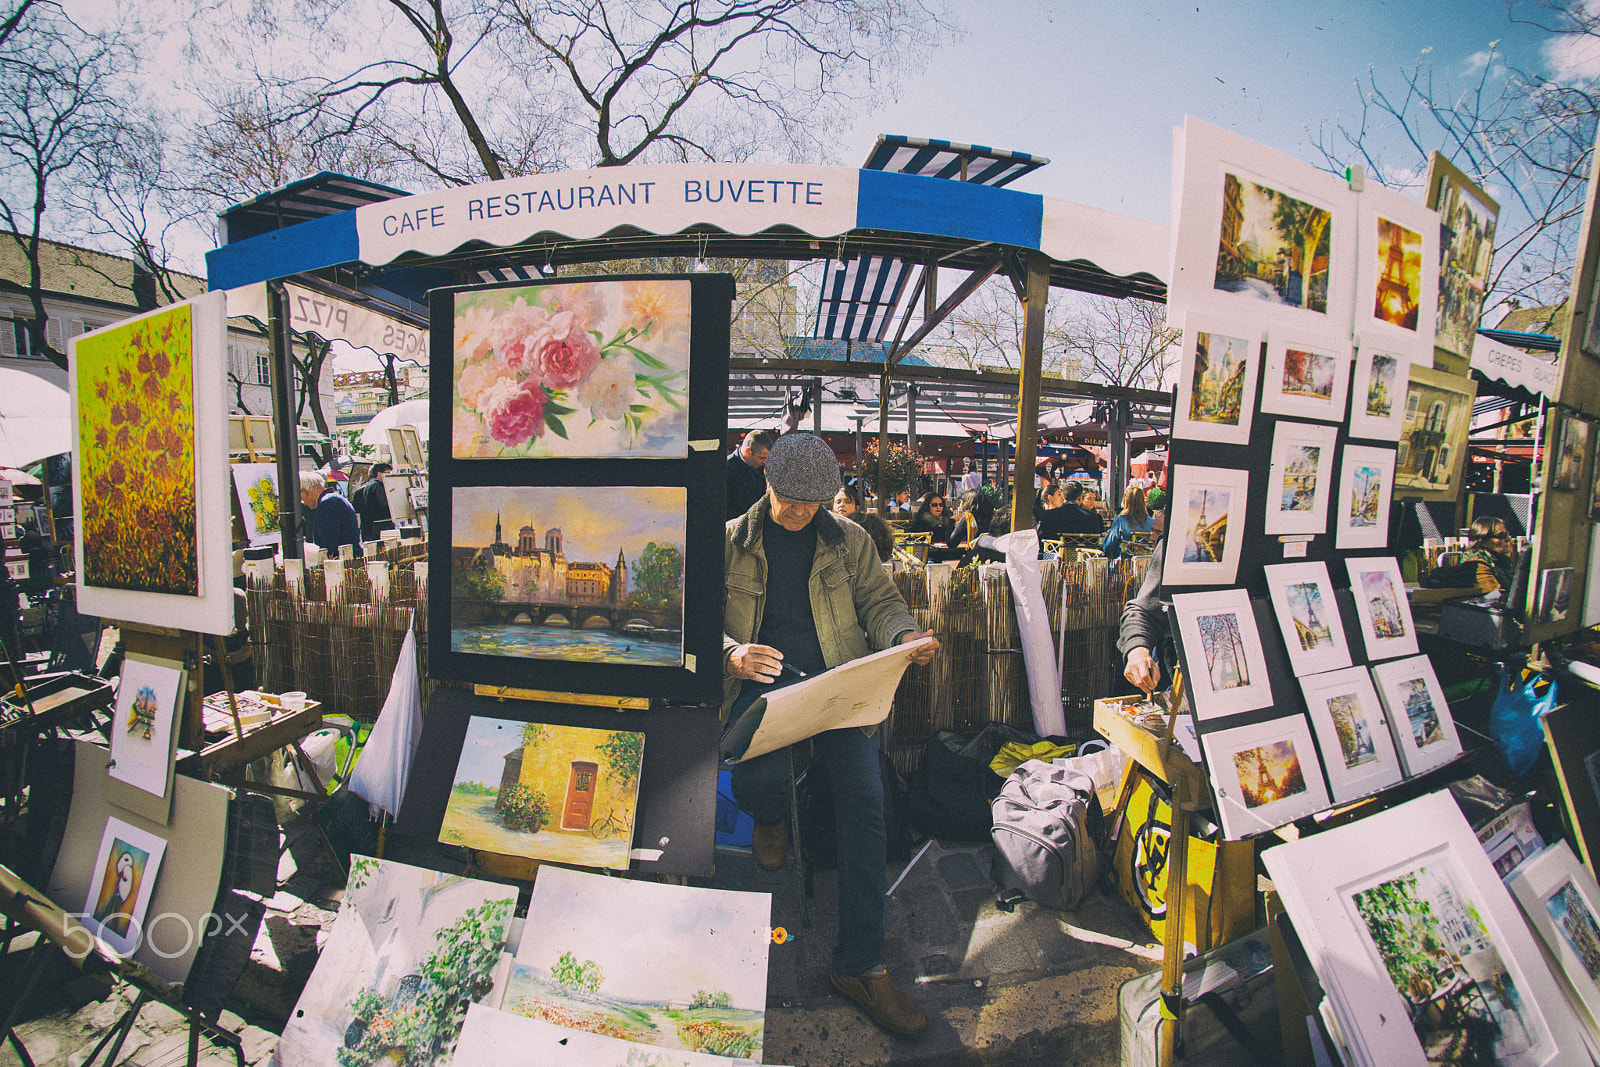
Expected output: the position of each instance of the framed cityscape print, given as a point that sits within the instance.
(1467, 219)
(144, 721)
(1419, 716)
(1300, 478)
(1377, 390)
(1562, 903)
(1572, 452)
(1206, 519)
(1397, 283)
(1227, 667)
(1260, 234)
(1313, 632)
(1366, 488)
(1306, 379)
(149, 446)
(1433, 435)
(1217, 381)
(1265, 775)
(1384, 612)
(1358, 750)
(1405, 913)
(1555, 594)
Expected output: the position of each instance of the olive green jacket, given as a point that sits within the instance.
(856, 607)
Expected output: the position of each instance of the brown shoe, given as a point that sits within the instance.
(771, 846)
(882, 1001)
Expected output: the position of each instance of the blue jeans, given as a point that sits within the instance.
(761, 787)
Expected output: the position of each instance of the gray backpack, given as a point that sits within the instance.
(1044, 835)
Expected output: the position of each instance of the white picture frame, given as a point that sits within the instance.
(1366, 489)
(1562, 903)
(1265, 775)
(1382, 609)
(1397, 280)
(1217, 378)
(1419, 716)
(125, 871)
(1308, 616)
(1205, 522)
(1380, 380)
(1300, 479)
(1227, 664)
(1421, 852)
(1358, 753)
(1306, 378)
(1555, 594)
(144, 723)
(256, 489)
(1225, 182)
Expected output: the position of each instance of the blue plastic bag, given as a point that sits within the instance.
(1519, 701)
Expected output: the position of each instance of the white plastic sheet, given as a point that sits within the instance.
(385, 763)
(1033, 623)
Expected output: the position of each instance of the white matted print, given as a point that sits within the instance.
(142, 725)
(1217, 381)
(1264, 775)
(1378, 387)
(1379, 592)
(125, 876)
(1562, 902)
(1555, 594)
(1572, 452)
(1260, 233)
(1227, 668)
(493, 1038)
(1366, 486)
(1300, 481)
(1302, 596)
(1305, 379)
(1419, 717)
(1402, 909)
(1358, 750)
(1205, 521)
(256, 485)
(1397, 286)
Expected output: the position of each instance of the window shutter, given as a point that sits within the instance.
(8, 337)
(52, 333)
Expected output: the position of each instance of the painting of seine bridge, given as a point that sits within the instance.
(592, 574)
(690, 974)
(560, 793)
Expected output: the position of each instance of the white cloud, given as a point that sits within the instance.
(1573, 58)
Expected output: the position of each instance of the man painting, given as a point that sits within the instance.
(746, 484)
(372, 504)
(805, 593)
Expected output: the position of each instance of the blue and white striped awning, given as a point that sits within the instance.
(859, 295)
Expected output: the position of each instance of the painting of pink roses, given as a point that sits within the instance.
(574, 370)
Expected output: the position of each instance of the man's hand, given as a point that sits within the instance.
(923, 656)
(755, 663)
(1142, 669)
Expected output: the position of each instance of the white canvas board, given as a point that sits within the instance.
(1217, 380)
(1306, 378)
(581, 967)
(396, 925)
(1555, 594)
(1205, 520)
(1227, 667)
(1397, 284)
(1358, 750)
(492, 1038)
(144, 723)
(117, 905)
(1300, 479)
(1265, 776)
(1384, 612)
(1419, 716)
(1378, 386)
(1366, 488)
(210, 610)
(256, 487)
(1409, 892)
(1313, 631)
(1230, 256)
(1562, 903)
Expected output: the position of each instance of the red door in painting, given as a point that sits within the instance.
(580, 795)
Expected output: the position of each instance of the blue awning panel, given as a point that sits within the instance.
(859, 297)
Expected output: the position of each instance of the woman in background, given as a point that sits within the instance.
(1134, 518)
(847, 502)
(1494, 551)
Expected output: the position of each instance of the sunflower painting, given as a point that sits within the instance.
(136, 426)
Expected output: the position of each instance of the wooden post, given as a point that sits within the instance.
(281, 339)
(1172, 931)
(1036, 295)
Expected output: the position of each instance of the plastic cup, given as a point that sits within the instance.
(295, 701)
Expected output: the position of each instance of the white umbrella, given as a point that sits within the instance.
(35, 418)
(405, 413)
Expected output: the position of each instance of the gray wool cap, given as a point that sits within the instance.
(802, 467)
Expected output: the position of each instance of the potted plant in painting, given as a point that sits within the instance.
(524, 809)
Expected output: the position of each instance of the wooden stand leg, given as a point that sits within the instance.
(1172, 934)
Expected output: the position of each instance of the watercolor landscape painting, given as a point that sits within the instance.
(492, 1038)
(561, 793)
(575, 369)
(697, 982)
(1273, 246)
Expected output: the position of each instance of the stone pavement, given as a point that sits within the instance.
(1020, 989)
